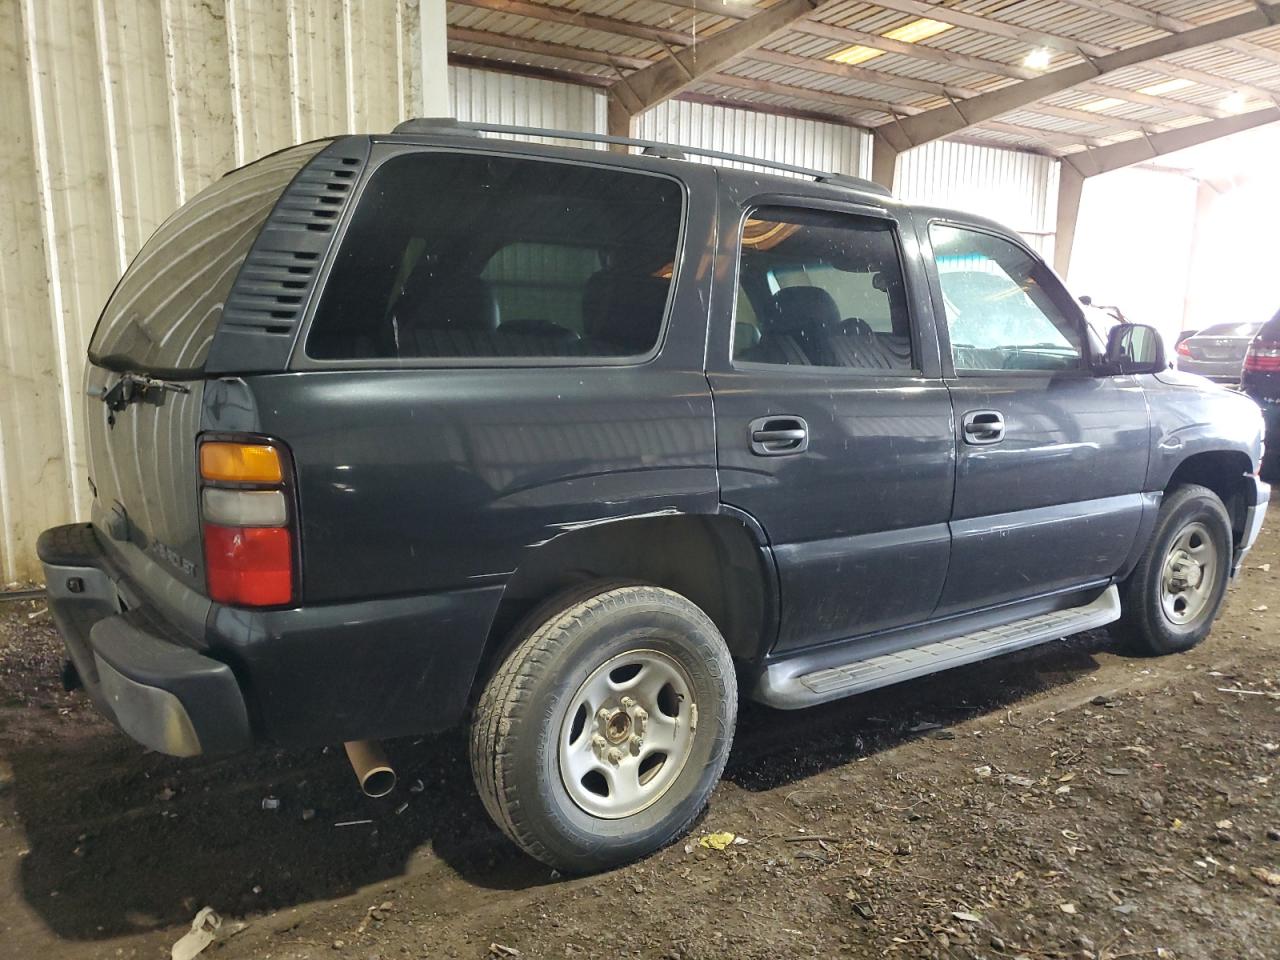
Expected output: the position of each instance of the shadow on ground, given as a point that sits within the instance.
(122, 841)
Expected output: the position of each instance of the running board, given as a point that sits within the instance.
(785, 686)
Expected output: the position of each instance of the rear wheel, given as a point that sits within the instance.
(603, 733)
(1173, 595)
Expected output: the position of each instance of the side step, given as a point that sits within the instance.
(785, 686)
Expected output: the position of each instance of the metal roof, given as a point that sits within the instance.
(984, 46)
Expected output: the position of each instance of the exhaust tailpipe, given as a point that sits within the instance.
(376, 776)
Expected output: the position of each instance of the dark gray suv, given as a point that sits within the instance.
(393, 433)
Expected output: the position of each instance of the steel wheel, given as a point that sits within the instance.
(1189, 575)
(627, 734)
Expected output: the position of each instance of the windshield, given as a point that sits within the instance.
(164, 312)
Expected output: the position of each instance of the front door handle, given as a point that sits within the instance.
(981, 427)
(778, 436)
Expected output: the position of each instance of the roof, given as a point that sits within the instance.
(876, 64)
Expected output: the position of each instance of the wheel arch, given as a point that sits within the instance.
(718, 561)
(1227, 473)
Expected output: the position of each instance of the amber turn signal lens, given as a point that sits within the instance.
(240, 463)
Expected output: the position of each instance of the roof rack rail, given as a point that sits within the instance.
(653, 148)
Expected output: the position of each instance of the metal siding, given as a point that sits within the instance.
(114, 113)
(1017, 189)
(806, 143)
(489, 97)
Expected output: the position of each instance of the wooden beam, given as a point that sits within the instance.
(500, 41)
(679, 69)
(587, 21)
(957, 115)
(1127, 11)
(1090, 163)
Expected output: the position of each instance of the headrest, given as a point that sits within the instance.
(434, 300)
(803, 308)
(624, 309)
(857, 327)
(745, 336)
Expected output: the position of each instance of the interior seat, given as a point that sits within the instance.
(800, 321)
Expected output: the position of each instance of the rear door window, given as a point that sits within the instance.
(163, 314)
(824, 289)
(470, 256)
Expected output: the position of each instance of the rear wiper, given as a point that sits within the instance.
(136, 388)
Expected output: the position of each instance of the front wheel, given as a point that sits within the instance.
(603, 733)
(1173, 595)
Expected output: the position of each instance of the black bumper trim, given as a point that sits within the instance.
(165, 695)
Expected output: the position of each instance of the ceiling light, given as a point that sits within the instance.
(918, 30)
(1166, 86)
(1038, 59)
(855, 54)
(1234, 102)
(1104, 103)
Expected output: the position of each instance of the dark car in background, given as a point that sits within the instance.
(1260, 379)
(1216, 352)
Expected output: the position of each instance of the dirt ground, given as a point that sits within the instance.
(1068, 801)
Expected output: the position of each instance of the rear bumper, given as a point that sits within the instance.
(167, 696)
(1258, 495)
(309, 675)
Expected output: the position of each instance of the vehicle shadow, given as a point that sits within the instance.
(122, 841)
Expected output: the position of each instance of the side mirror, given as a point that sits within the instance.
(1134, 348)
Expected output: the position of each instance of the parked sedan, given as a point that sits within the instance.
(1217, 352)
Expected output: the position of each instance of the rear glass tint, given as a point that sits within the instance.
(472, 256)
(163, 314)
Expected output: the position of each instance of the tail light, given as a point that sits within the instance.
(246, 505)
(1263, 357)
(1182, 349)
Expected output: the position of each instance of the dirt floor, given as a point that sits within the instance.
(1065, 802)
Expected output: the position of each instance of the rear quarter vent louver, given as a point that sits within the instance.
(265, 306)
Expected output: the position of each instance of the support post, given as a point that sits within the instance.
(1070, 186)
(433, 48)
(884, 161)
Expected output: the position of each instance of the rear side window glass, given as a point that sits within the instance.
(1001, 308)
(822, 289)
(164, 312)
(471, 256)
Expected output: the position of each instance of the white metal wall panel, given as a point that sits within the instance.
(1018, 189)
(804, 143)
(112, 113)
(483, 96)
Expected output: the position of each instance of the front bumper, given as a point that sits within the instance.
(167, 696)
(1257, 496)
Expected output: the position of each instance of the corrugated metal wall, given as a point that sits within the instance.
(804, 143)
(1018, 189)
(114, 113)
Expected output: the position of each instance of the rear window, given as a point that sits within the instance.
(1231, 330)
(164, 312)
(471, 256)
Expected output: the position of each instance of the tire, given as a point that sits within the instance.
(570, 772)
(1170, 606)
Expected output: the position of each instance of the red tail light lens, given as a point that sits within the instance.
(1263, 357)
(249, 534)
(1182, 349)
(249, 566)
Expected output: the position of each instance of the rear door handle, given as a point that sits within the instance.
(981, 427)
(778, 436)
